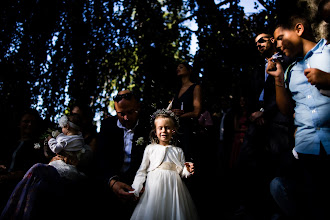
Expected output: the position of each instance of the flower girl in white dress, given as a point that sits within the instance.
(165, 196)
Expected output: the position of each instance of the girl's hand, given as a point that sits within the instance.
(317, 77)
(274, 68)
(190, 167)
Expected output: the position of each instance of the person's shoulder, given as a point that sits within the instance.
(197, 86)
(150, 147)
(327, 47)
(179, 149)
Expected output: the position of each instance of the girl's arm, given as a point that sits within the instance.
(283, 98)
(187, 166)
(141, 174)
(55, 146)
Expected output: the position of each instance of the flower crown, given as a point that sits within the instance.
(166, 113)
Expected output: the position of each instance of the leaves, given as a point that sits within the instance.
(85, 50)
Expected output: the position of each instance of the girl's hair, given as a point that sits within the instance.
(163, 113)
(73, 120)
(290, 24)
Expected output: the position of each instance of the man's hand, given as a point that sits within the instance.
(122, 191)
(257, 117)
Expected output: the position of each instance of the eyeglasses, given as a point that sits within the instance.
(261, 40)
(127, 96)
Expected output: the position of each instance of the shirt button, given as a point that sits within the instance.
(309, 96)
(313, 111)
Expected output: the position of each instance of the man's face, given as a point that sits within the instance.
(263, 43)
(127, 112)
(287, 41)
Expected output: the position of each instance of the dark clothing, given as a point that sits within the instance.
(186, 98)
(265, 152)
(188, 126)
(276, 135)
(25, 157)
(109, 160)
(110, 153)
(41, 181)
(303, 193)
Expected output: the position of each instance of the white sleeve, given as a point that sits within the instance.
(141, 174)
(185, 173)
(56, 146)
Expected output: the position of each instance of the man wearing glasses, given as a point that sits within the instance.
(123, 139)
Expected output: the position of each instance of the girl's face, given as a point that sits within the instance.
(182, 70)
(65, 130)
(288, 41)
(164, 130)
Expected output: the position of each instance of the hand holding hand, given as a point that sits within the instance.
(122, 190)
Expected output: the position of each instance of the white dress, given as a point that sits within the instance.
(165, 196)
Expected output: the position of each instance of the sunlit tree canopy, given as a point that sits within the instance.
(56, 52)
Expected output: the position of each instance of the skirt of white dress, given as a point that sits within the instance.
(165, 197)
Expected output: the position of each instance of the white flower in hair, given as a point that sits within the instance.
(63, 121)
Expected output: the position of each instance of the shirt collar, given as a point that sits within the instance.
(318, 48)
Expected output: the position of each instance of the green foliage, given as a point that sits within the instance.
(55, 50)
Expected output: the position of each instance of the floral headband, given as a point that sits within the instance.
(166, 113)
(65, 121)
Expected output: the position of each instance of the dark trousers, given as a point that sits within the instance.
(305, 193)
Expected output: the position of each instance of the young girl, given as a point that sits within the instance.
(165, 196)
(69, 147)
